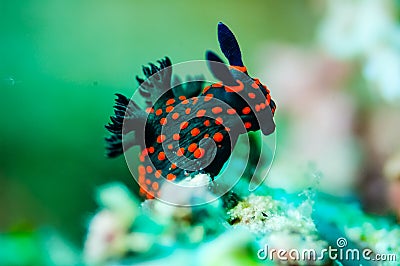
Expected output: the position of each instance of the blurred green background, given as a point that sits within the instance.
(60, 64)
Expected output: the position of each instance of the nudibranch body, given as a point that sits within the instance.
(190, 129)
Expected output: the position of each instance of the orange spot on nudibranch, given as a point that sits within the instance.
(187, 111)
(144, 152)
(159, 112)
(201, 113)
(206, 89)
(180, 151)
(163, 121)
(216, 110)
(141, 170)
(161, 138)
(150, 149)
(251, 95)
(192, 147)
(246, 110)
(206, 136)
(207, 123)
(157, 174)
(176, 136)
(185, 101)
(171, 177)
(247, 125)
(169, 109)
(149, 169)
(198, 153)
(161, 156)
(231, 111)
(149, 110)
(219, 121)
(142, 179)
(195, 131)
(175, 116)
(170, 101)
(173, 166)
(184, 125)
(218, 137)
(208, 97)
(182, 98)
(154, 185)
